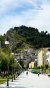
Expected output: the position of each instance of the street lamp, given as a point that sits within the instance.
(13, 69)
(12, 66)
(7, 43)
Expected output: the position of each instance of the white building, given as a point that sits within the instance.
(48, 56)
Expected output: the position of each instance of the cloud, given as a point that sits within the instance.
(34, 13)
(41, 19)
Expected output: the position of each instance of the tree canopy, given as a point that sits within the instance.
(21, 36)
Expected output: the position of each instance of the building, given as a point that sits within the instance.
(40, 57)
(31, 65)
(43, 56)
(48, 56)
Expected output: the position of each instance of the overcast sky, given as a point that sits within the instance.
(34, 13)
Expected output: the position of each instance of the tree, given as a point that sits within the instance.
(3, 61)
(46, 66)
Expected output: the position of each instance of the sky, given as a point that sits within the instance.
(33, 13)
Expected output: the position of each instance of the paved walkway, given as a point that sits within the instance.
(29, 81)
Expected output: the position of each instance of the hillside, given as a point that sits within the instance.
(23, 37)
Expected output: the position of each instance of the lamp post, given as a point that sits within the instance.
(12, 66)
(7, 43)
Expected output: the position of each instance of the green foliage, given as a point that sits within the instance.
(19, 36)
(24, 64)
(46, 66)
(2, 38)
(2, 80)
(21, 63)
(8, 60)
(35, 70)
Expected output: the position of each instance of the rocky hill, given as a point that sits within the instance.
(24, 37)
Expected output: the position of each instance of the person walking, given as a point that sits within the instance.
(38, 74)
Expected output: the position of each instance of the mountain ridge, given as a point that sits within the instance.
(23, 36)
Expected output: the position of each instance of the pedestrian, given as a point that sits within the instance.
(38, 74)
(27, 73)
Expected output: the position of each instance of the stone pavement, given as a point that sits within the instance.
(29, 80)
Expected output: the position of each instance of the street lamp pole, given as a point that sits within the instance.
(12, 67)
(7, 43)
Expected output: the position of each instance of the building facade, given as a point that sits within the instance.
(48, 56)
(40, 57)
(43, 56)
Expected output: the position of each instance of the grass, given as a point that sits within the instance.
(2, 80)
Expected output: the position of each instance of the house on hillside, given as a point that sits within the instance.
(33, 64)
(43, 56)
